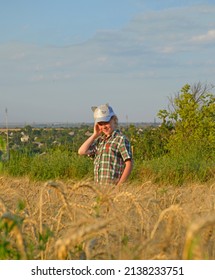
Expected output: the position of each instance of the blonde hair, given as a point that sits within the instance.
(116, 121)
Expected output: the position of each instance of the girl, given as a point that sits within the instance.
(110, 149)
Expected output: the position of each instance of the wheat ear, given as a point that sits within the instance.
(62, 193)
(136, 204)
(192, 231)
(172, 208)
(62, 245)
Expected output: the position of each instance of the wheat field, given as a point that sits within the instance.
(78, 220)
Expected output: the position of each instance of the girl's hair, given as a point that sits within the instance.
(115, 120)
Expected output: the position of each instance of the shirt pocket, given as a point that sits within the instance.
(114, 149)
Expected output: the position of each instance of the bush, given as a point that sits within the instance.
(191, 165)
(190, 148)
(18, 165)
(52, 165)
(49, 166)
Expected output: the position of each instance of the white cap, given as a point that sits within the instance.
(102, 113)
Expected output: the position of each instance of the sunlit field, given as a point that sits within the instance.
(50, 208)
(77, 220)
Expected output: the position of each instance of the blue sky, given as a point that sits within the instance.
(60, 57)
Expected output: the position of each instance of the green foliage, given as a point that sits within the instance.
(193, 119)
(14, 244)
(2, 144)
(3, 148)
(181, 148)
(6, 252)
(18, 165)
(153, 144)
(56, 163)
(53, 164)
(148, 143)
(190, 166)
(191, 144)
(44, 238)
(8, 226)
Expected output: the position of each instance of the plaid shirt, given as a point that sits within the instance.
(110, 155)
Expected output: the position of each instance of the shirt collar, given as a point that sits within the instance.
(113, 134)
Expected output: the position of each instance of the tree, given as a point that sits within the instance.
(191, 145)
(192, 114)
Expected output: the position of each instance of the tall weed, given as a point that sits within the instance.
(18, 165)
(190, 165)
(51, 165)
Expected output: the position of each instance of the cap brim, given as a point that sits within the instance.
(104, 119)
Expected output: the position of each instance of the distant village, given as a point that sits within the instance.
(37, 138)
(14, 125)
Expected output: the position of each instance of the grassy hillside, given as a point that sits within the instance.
(76, 220)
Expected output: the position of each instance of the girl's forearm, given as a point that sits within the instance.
(126, 173)
(85, 146)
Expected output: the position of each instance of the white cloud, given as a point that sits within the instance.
(37, 78)
(204, 38)
(167, 50)
(102, 59)
(154, 54)
(149, 40)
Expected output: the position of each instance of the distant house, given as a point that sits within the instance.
(139, 131)
(88, 133)
(39, 144)
(56, 143)
(24, 138)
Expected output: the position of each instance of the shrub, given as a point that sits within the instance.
(18, 165)
(191, 165)
(54, 164)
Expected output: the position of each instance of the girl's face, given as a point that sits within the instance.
(107, 127)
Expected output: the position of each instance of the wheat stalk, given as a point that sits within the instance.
(172, 208)
(136, 204)
(62, 245)
(56, 186)
(13, 222)
(88, 186)
(3, 207)
(192, 232)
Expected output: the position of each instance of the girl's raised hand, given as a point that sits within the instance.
(97, 130)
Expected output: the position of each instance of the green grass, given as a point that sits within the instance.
(184, 168)
(55, 164)
(188, 165)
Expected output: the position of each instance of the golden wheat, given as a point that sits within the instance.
(80, 219)
(62, 245)
(192, 247)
